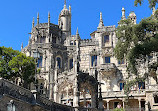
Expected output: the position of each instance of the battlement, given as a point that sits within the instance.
(107, 29)
(88, 42)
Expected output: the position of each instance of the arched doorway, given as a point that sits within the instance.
(88, 88)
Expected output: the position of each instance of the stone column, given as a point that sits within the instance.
(123, 101)
(67, 92)
(55, 82)
(84, 98)
(107, 105)
(139, 104)
(146, 106)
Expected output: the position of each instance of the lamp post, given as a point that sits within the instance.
(36, 55)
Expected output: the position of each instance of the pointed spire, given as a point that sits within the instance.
(153, 11)
(77, 31)
(33, 23)
(37, 18)
(123, 13)
(101, 21)
(21, 45)
(69, 8)
(48, 19)
(65, 4)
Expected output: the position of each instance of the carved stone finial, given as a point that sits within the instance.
(123, 13)
(21, 46)
(65, 4)
(101, 21)
(33, 23)
(37, 18)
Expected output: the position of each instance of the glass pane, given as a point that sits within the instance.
(71, 63)
(106, 38)
(107, 59)
(40, 62)
(59, 62)
(94, 60)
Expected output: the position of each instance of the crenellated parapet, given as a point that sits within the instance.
(88, 42)
(107, 29)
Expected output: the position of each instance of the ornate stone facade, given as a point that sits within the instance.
(65, 57)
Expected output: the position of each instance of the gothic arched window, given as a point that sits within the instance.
(40, 62)
(59, 62)
(71, 63)
(94, 60)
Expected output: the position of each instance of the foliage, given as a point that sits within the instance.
(135, 43)
(119, 109)
(152, 3)
(23, 67)
(6, 54)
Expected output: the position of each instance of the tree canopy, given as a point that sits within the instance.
(152, 3)
(23, 67)
(136, 42)
(6, 54)
(14, 64)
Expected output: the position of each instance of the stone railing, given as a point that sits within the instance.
(107, 29)
(48, 45)
(107, 66)
(8, 88)
(88, 42)
(85, 109)
(152, 87)
(121, 93)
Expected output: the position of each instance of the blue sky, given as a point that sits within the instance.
(16, 16)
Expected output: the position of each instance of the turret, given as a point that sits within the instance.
(101, 21)
(65, 21)
(123, 14)
(133, 17)
(153, 11)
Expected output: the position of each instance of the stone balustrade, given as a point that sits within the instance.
(8, 88)
(121, 93)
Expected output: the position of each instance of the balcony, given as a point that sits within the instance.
(108, 68)
(116, 94)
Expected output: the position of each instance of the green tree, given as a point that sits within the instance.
(23, 67)
(6, 54)
(152, 3)
(136, 42)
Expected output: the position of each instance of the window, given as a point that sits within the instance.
(121, 61)
(122, 86)
(107, 59)
(71, 63)
(41, 88)
(71, 42)
(58, 62)
(94, 60)
(106, 38)
(53, 39)
(155, 98)
(40, 62)
(75, 42)
(141, 85)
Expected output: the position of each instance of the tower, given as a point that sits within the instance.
(133, 17)
(64, 21)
